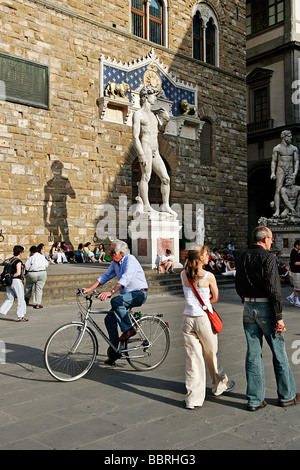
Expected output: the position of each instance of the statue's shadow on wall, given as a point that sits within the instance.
(56, 192)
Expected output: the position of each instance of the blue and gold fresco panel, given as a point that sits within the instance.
(135, 78)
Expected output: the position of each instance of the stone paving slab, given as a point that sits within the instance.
(120, 409)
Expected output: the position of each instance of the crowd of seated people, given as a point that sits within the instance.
(221, 262)
(84, 254)
(60, 252)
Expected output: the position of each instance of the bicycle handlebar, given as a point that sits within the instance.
(91, 294)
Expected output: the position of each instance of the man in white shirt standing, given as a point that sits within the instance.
(36, 275)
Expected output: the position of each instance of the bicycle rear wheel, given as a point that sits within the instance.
(68, 354)
(151, 344)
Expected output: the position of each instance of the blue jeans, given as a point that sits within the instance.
(259, 320)
(119, 315)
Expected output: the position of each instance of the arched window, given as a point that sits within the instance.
(205, 34)
(155, 21)
(149, 20)
(154, 183)
(197, 37)
(210, 42)
(206, 144)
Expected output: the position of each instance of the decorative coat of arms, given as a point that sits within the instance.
(120, 85)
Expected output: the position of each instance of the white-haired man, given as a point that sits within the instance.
(132, 287)
(257, 283)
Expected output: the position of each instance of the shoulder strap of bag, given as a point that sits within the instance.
(16, 260)
(9, 262)
(196, 293)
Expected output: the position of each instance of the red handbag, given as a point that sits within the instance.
(215, 320)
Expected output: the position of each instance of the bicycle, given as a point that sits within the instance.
(71, 350)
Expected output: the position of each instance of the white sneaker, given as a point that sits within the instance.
(228, 389)
(290, 299)
(189, 407)
(297, 303)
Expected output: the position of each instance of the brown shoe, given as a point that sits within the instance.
(293, 401)
(258, 407)
(127, 334)
(109, 362)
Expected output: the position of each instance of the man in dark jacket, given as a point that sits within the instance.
(258, 284)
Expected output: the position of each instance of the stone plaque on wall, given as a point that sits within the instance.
(24, 81)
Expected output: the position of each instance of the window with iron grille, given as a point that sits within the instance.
(206, 144)
(138, 18)
(147, 20)
(155, 21)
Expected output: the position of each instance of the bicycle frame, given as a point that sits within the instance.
(71, 350)
(87, 319)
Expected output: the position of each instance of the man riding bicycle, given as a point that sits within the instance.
(132, 287)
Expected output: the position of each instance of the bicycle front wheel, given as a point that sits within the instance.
(150, 346)
(70, 352)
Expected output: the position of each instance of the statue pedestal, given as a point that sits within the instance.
(285, 233)
(151, 234)
(284, 238)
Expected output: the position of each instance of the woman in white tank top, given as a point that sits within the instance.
(199, 338)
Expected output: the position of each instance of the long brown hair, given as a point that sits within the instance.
(193, 263)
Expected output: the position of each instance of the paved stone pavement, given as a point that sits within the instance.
(120, 409)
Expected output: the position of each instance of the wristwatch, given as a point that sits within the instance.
(113, 291)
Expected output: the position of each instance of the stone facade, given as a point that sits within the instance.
(95, 154)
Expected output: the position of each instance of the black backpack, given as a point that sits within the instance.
(8, 272)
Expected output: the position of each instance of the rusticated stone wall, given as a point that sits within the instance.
(95, 157)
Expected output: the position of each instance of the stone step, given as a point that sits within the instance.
(62, 287)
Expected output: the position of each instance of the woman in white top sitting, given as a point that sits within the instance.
(36, 275)
(229, 266)
(89, 254)
(57, 254)
(199, 338)
(167, 262)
